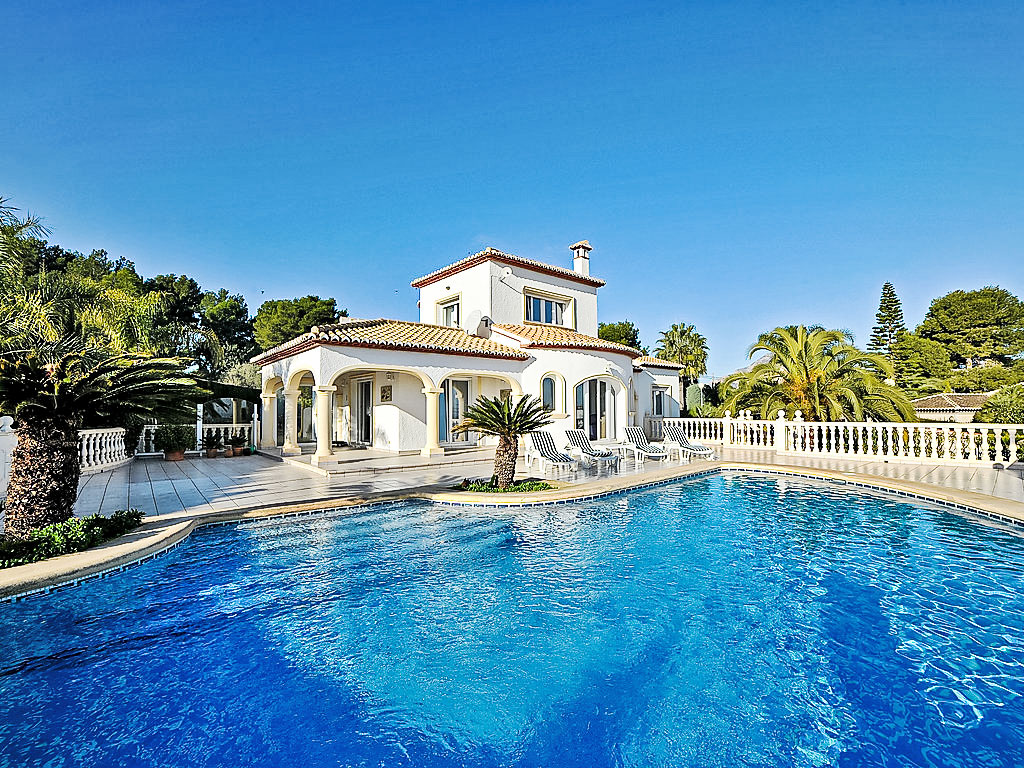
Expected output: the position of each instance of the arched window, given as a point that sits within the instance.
(548, 387)
(595, 409)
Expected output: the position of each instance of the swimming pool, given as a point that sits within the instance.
(725, 620)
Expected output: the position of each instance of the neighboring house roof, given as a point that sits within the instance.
(556, 337)
(656, 362)
(493, 254)
(952, 401)
(392, 334)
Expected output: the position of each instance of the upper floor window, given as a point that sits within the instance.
(540, 309)
(449, 314)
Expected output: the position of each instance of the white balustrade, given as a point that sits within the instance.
(100, 449)
(911, 442)
(206, 434)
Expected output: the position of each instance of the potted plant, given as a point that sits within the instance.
(237, 443)
(174, 440)
(213, 446)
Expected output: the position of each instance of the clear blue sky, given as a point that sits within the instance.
(736, 166)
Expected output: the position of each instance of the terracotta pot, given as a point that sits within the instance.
(236, 450)
(211, 453)
(174, 455)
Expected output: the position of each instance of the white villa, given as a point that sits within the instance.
(490, 324)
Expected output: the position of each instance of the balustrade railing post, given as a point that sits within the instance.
(781, 438)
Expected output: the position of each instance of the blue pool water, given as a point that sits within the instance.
(729, 620)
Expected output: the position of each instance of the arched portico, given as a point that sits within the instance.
(297, 410)
(457, 391)
(268, 411)
(599, 406)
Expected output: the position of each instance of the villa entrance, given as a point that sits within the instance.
(452, 404)
(595, 409)
(363, 412)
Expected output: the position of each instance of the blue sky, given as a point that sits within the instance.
(737, 166)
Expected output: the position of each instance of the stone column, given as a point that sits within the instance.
(432, 447)
(291, 423)
(324, 431)
(268, 424)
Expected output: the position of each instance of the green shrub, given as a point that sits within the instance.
(1004, 407)
(74, 535)
(171, 438)
(985, 379)
(523, 486)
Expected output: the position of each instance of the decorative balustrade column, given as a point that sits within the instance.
(781, 438)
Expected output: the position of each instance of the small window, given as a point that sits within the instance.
(548, 311)
(547, 393)
(450, 314)
(658, 401)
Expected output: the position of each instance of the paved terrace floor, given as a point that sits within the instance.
(200, 485)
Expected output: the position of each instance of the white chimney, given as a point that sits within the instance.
(581, 257)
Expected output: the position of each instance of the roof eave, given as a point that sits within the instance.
(274, 355)
(453, 269)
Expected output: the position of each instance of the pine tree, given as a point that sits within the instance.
(889, 325)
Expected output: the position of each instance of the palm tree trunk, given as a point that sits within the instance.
(505, 458)
(44, 478)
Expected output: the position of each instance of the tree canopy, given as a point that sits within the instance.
(921, 365)
(682, 344)
(227, 315)
(621, 332)
(889, 325)
(280, 320)
(821, 374)
(72, 348)
(976, 326)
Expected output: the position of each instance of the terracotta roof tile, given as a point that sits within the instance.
(946, 401)
(656, 362)
(393, 334)
(493, 254)
(556, 337)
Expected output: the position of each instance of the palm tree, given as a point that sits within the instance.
(70, 352)
(497, 416)
(820, 373)
(682, 344)
(50, 393)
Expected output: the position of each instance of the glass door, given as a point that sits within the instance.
(595, 409)
(452, 403)
(364, 411)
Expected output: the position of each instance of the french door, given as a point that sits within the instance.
(595, 409)
(452, 403)
(364, 411)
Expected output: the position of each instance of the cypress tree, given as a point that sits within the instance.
(889, 323)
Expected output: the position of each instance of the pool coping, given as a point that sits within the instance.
(163, 533)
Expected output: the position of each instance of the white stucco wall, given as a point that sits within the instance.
(508, 290)
(399, 425)
(497, 291)
(574, 367)
(472, 287)
(644, 382)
